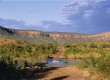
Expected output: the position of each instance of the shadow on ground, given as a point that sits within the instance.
(60, 78)
(43, 73)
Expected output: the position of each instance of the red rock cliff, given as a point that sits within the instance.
(21, 32)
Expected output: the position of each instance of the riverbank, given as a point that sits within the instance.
(71, 56)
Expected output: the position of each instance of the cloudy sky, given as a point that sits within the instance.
(82, 16)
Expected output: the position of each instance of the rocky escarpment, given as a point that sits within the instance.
(81, 36)
(64, 35)
(101, 36)
(29, 32)
(33, 35)
(7, 31)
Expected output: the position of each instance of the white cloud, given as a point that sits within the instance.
(79, 5)
(75, 7)
(84, 16)
(88, 14)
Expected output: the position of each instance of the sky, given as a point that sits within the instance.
(81, 16)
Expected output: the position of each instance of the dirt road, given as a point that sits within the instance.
(63, 73)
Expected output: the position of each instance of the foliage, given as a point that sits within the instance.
(96, 55)
(93, 45)
(22, 51)
(71, 49)
(100, 62)
(105, 45)
(22, 54)
(8, 70)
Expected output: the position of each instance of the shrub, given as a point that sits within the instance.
(100, 64)
(93, 45)
(105, 45)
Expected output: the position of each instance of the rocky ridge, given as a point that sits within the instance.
(57, 36)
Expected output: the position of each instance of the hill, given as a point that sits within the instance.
(40, 36)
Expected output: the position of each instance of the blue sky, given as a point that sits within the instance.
(82, 16)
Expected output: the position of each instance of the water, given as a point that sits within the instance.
(58, 62)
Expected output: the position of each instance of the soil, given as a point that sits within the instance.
(63, 73)
(66, 73)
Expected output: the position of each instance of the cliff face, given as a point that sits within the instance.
(60, 35)
(35, 35)
(79, 36)
(106, 34)
(101, 36)
(65, 35)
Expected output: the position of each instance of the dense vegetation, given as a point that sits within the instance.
(96, 55)
(22, 54)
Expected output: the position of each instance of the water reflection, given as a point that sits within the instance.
(58, 62)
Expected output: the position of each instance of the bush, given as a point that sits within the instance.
(100, 64)
(105, 45)
(93, 45)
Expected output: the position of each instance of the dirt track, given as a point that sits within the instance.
(64, 73)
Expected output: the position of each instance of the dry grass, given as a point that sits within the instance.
(4, 41)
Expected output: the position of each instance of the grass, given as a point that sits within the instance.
(95, 55)
(4, 41)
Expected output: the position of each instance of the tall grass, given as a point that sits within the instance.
(99, 61)
(97, 53)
